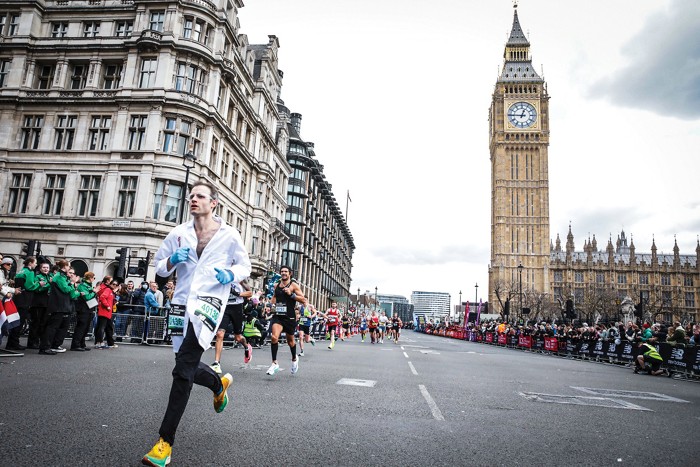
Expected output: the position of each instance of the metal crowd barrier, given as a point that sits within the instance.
(679, 359)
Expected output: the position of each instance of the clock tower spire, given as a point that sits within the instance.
(519, 141)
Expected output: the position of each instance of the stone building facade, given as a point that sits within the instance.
(103, 103)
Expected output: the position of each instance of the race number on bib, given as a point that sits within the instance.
(208, 310)
(281, 310)
(176, 320)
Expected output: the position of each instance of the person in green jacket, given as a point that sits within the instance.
(83, 311)
(649, 355)
(26, 282)
(37, 312)
(60, 306)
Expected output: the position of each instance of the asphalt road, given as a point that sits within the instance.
(427, 401)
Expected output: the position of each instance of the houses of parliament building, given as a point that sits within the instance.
(537, 275)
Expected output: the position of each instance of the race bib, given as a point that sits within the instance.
(176, 320)
(208, 310)
(281, 310)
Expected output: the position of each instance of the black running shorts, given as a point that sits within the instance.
(233, 314)
(289, 325)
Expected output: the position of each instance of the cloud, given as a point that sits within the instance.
(410, 255)
(663, 73)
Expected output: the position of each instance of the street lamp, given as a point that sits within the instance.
(376, 302)
(520, 280)
(459, 308)
(476, 293)
(188, 162)
(358, 299)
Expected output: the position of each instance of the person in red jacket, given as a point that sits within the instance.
(105, 304)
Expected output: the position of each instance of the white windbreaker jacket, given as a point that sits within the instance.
(197, 288)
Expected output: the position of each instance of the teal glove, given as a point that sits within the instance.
(224, 276)
(180, 255)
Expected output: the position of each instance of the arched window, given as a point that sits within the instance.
(79, 266)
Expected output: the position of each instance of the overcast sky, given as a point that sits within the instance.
(395, 95)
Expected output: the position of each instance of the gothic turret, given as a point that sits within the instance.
(569, 242)
(633, 257)
(654, 257)
(676, 253)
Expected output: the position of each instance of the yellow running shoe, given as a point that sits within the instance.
(159, 456)
(221, 401)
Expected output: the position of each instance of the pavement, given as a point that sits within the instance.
(425, 401)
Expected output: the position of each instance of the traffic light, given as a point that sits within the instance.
(526, 310)
(506, 309)
(123, 259)
(639, 309)
(142, 268)
(29, 247)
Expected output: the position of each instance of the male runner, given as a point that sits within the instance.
(363, 325)
(306, 314)
(373, 323)
(383, 320)
(396, 327)
(332, 316)
(286, 295)
(345, 330)
(207, 255)
(233, 315)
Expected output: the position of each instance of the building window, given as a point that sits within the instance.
(558, 276)
(187, 27)
(31, 131)
(235, 169)
(190, 78)
(78, 76)
(166, 204)
(127, 197)
(65, 131)
(239, 225)
(644, 295)
(19, 193)
(9, 24)
(99, 132)
(225, 165)
(665, 279)
(244, 185)
(44, 79)
(137, 131)
(578, 295)
(148, 72)
(91, 29)
(260, 194)
(666, 298)
(688, 280)
(59, 29)
(169, 134)
(88, 195)
(621, 278)
(599, 278)
(53, 195)
(184, 137)
(124, 28)
(4, 71)
(157, 18)
(229, 217)
(690, 299)
(112, 75)
(644, 279)
(578, 276)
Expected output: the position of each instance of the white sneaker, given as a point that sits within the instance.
(216, 367)
(295, 366)
(59, 349)
(274, 368)
(301, 354)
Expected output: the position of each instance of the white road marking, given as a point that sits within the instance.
(367, 383)
(437, 415)
(413, 369)
(402, 348)
(414, 346)
(432, 352)
(655, 396)
(583, 400)
(405, 354)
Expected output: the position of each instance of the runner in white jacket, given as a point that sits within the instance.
(207, 255)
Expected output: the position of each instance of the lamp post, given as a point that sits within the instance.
(188, 162)
(520, 281)
(476, 293)
(358, 299)
(376, 302)
(459, 308)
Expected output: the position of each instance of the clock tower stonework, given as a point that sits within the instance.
(519, 140)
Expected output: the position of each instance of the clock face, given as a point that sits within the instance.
(522, 115)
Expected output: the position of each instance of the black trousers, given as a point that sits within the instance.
(15, 333)
(188, 370)
(56, 330)
(83, 319)
(104, 328)
(38, 318)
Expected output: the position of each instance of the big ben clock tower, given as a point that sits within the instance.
(519, 139)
